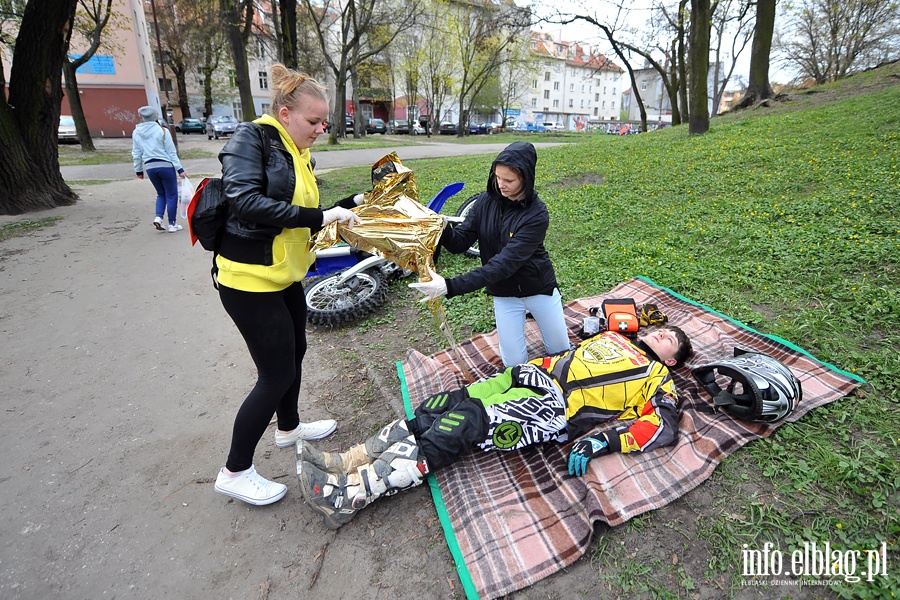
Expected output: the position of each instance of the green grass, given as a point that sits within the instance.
(85, 182)
(19, 228)
(785, 219)
(72, 155)
(368, 141)
(511, 136)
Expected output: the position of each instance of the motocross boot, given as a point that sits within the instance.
(357, 456)
(339, 496)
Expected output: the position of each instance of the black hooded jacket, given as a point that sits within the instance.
(510, 236)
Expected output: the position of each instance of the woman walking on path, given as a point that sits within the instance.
(153, 152)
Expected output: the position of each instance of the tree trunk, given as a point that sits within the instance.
(236, 24)
(758, 87)
(84, 135)
(684, 109)
(698, 122)
(288, 33)
(359, 128)
(208, 68)
(677, 84)
(29, 157)
(340, 104)
(184, 102)
(179, 74)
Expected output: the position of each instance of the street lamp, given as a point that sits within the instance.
(162, 66)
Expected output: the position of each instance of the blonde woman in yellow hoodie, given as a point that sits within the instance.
(274, 207)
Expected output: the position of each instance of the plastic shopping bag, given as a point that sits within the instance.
(185, 194)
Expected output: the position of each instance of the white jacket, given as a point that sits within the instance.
(151, 141)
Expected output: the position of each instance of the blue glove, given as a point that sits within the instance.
(582, 452)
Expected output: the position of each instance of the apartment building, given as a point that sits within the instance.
(653, 94)
(656, 100)
(112, 87)
(573, 85)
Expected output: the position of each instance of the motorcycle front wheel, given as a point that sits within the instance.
(463, 211)
(331, 303)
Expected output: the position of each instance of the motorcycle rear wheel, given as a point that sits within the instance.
(334, 304)
(463, 211)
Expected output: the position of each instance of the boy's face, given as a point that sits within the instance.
(663, 342)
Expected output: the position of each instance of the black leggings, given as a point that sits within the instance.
(274, 326)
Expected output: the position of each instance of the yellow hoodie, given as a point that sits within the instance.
(290, 256)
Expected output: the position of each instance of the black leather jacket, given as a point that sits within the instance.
(510, 236)
(259, 197)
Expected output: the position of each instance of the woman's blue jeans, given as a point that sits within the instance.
(510, 316)
(165, 181)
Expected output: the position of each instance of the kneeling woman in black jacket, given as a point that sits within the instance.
(509, 222)
(274, 207)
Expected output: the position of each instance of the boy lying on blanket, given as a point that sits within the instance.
(558, 398)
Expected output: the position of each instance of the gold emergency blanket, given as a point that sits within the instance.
(396, 227)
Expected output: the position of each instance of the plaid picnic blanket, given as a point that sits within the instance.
(513, 518)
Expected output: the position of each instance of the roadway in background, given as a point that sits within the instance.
(325, 161)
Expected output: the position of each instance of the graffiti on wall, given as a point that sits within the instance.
(581, 122)
(121, 115)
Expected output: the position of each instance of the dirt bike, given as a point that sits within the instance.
(461, 213)
(349, 284)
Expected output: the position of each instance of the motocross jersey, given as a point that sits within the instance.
(607, 378)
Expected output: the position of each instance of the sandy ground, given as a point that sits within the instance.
(121, 375)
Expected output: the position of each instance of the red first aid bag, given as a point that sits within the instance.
(621, 315)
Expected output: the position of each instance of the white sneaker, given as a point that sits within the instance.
(158, 223)
(250, 486)
(175, 227)
(305, 431)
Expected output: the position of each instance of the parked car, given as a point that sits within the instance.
(489, 128)
(189, 126)
(532, 127)
(551, 127)
(402, 128)
(66, 133)
(219, 126)
(376, 126)
(447, 128)
(473, 129)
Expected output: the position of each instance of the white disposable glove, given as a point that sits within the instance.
(435, 288)
(359, 199)
(341, 215)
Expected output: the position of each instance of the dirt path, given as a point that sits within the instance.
(121, 375)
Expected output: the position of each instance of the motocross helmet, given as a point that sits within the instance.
(761, 389)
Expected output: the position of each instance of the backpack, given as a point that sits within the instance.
(207, 211)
